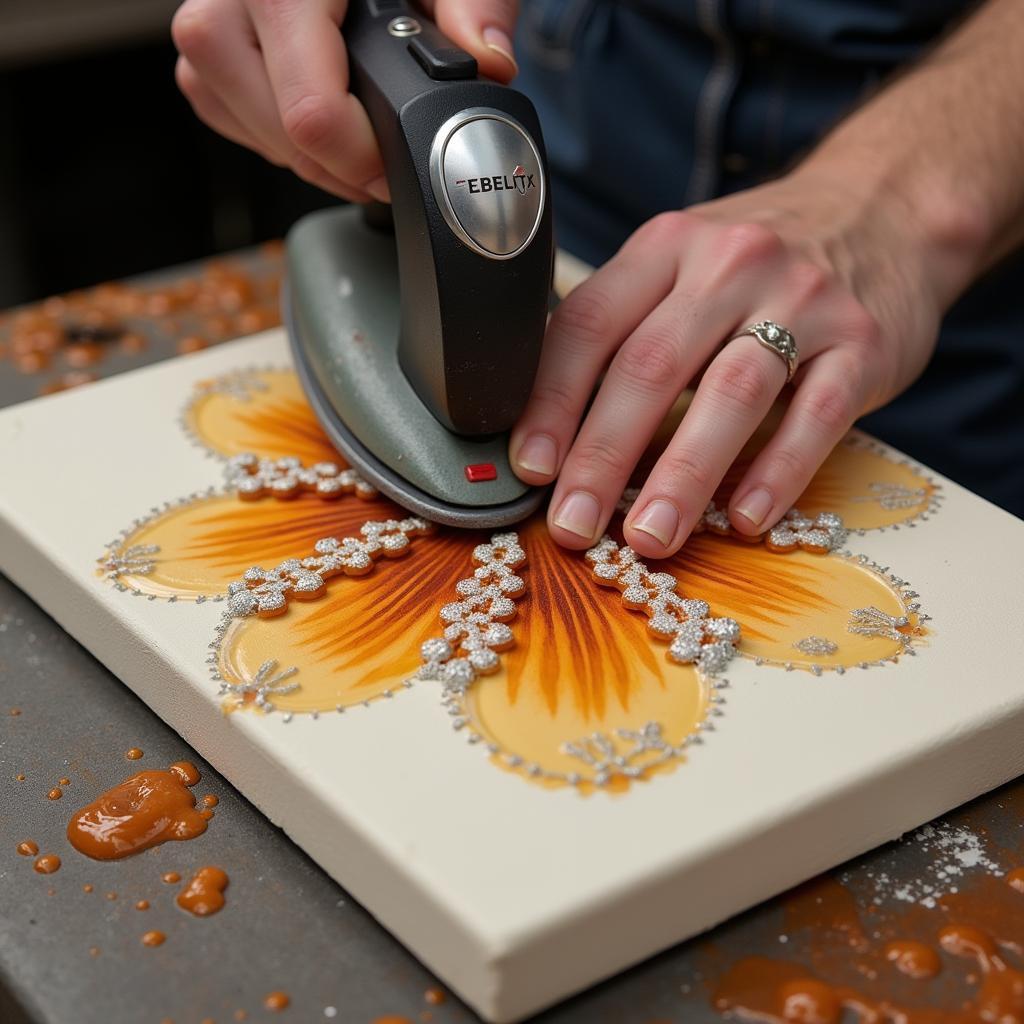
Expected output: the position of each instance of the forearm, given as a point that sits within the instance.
(942, 150)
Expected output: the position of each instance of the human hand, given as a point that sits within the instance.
(272, 75)
(845, 275)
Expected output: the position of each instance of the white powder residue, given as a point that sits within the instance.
(950, 852)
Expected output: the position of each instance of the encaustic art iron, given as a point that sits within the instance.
(416, 332)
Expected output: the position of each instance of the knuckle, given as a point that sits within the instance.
(831, 407)
(585, 315)
(741, 381)
(309, 122)
(554, 396)
(597, 459)
(746, 245)
(651, 360)
(808, 282)
(665, 226)
(192, 29)
(687, 471)
(787, 463)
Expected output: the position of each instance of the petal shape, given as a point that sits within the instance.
(206, 541)
(781, 600)
(261, 411)
(362, 639)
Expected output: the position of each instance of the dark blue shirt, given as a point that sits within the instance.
(651, 105)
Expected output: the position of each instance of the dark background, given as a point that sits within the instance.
(104, 169)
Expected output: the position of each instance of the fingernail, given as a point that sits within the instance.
(579, 514)
(498, 41)
(755, 506)
(538, 454)
(660, 520)
(378, 188)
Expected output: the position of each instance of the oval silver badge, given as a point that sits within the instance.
(488, 181)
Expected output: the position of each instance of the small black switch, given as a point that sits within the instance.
(440, 59)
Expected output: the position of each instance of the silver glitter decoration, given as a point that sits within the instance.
(252, 478)
(819, 535)
(873, 621)
(694, 638)
(266, 683)
(475, 626)
(894, 497)
(816, 646)
(136, 560)
(267, 591)
(237, 384)
(822, 534)
(628, 753)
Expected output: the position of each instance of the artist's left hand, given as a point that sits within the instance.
(850, 278)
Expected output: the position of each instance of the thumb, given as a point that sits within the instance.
(484, 28)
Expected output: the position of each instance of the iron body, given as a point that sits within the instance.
(417, 347)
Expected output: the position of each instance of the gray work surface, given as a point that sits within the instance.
(286, 926)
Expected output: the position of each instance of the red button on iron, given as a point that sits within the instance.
(481, 471)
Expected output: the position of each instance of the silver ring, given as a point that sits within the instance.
(775, 337)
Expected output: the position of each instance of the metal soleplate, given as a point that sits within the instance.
(341, 309)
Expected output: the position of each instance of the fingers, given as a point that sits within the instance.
(834, 391)
(645, 378)
(484, 28)
(585, 329)
(225, 74)
(734, 396)
(212, 111)
(307, 66)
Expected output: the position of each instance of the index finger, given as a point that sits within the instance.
(307, 65)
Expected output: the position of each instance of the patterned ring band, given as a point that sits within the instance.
(775, 337)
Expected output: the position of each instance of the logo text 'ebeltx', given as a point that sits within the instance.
(519, 181)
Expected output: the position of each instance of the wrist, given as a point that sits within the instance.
(934, 227)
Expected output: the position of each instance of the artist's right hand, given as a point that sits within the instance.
(273, 75)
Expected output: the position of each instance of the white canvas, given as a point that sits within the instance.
(515, 895)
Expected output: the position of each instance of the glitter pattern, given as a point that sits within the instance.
(265, 684)
(252, 478)
(893, 496)
(266, 592)
(874, 622)
(820, 535)
(476, 626)
(136, 560)
(694, 638)
(816, 646)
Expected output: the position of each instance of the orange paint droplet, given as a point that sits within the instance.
(47, 864)
(206, 815)
(94, 951)
(134, 754)
(51, 892)
(434, 996)
(809, 1001)
(914, 959)
(171, 877)
(391, 1019)
(142, 905)
(55, 793)
(87, 888)
(240, 1015)
(1015, 879)
(111, 895)
(27, 848)
(208, 1020)
(204, 894)
(153, 939)
(15, 712)
(210, 800)
(277, 1001)
(64, 782)
(20, 777)
(145, 810)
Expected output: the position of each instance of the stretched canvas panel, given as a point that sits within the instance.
(535, 767)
